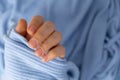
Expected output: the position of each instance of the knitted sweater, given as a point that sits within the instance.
(91, 36)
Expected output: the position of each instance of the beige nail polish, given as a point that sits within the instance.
(33, 43)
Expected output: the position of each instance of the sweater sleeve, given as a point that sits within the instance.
(4, 16)
(21, 63)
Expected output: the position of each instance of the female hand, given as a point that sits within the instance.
(42, 36)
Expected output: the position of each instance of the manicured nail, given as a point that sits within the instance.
(33, 43)
(38, 52)
(32, 29)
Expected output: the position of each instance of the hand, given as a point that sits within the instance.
(42, 36)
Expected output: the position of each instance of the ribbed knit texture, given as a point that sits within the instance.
(22, 64)
(91, 36)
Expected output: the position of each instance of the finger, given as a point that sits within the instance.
(22, 27)
(42, 33)
(50, 42)
(35, 23)
(40, 53)
(58, 51)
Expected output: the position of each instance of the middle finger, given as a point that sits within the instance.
(42, 33)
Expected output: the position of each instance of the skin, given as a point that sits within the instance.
(42, 36)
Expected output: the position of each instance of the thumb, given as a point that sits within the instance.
(22, 27)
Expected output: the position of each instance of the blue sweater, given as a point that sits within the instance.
(91, 36)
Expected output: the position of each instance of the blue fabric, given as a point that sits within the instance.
(91, 33)
(22, 64)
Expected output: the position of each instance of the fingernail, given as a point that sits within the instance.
(38, 52)
(33, 43)
(32, 29)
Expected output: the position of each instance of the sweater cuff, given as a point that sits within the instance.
(21, 62)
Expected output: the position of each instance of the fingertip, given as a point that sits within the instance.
(21, 27)
(35, 23)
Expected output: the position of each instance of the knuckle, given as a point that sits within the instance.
(50, 24)
(47, 43)
(41, 35)
(54, 36)
(57, 36)
(23, 20)
(39, 17)
(37, 20)
(33, 25)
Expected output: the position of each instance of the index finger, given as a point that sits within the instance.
(35, 23)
